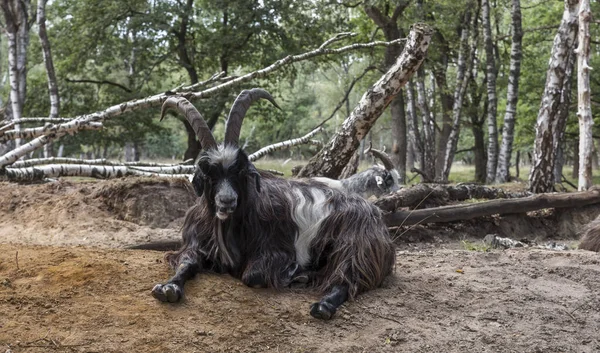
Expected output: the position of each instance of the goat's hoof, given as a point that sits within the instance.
(322, 311)
(169, 292)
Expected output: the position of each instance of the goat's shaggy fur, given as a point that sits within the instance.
(591, 236)
(273, 232)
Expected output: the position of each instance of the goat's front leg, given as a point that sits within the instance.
(329, 304)
(172, 291)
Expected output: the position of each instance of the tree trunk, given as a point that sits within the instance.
(389, 25)
(559, 162)
(52, 83)
(488, 208)
(330, 161)
(517, 164)
(492, 155)
(11, 11)
(413, 126)
(548, 125)
(575, 173)
(399, 136)
(584, 106)
(462, 80)
(512, 95)
(428, 166)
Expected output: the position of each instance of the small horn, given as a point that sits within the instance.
(385, 159)
(194, 117)
(238, 112)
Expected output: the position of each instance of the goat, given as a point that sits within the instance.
(591, 236)
(273, 232)
(376, 181)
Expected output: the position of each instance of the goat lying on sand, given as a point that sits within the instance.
(376, 181)
(272, 232)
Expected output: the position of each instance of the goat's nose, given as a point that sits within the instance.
(227, 200)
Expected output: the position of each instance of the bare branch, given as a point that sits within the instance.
(43, 130)
(281, 145)
(100, 82)
(60, 160)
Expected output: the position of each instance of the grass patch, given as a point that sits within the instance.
(475, 246)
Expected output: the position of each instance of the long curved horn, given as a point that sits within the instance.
(385, 159)
(238, 112)
(194, 117)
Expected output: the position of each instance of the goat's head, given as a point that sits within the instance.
(223, 172)
(388, 178)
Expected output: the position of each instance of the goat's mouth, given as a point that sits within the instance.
(224, 212)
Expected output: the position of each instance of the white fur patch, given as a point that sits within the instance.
(332, 183)
(224, 155)
(308, 216)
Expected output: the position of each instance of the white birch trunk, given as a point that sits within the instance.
(330, 161)
(47, 54)
(462, 79)
(428, 167)
(584, 106)
(512, 95)
(492, 160)
(541, 177)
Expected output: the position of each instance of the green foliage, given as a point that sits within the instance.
(133, 49)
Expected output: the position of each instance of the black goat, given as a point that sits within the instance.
(272, 232)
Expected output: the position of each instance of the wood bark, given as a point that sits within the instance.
(13, 22)
(584, 105)
(488, 208)
(428, 151)
(330, 161)
(93, 171)
(446, 102)
(59, 160)
(512, 95)
(550, 123)
(414, 135)
(492, 155)
(465, 59)
(47, 54)
(431, 195)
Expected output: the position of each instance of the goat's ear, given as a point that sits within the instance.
(254, 173)
(198, 182)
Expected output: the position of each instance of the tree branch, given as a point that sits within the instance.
(281, 145)
(101, 82)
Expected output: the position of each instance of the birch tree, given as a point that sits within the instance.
(17, 34)
(462, 79)
(512, 95)
(50, 73)
(550, 122)
(330, 161)
(584, 106)
(492, 156)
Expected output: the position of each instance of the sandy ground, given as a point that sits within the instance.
(78, 297)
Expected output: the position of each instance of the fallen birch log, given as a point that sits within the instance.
(431, 195)
(42, 172)
(101, 161)
(488, 208)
